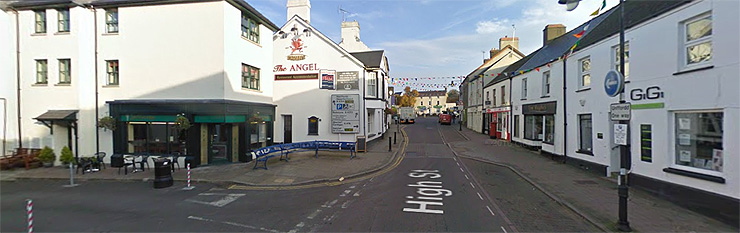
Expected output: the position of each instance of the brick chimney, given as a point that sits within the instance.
(551, 32)
(301, 8)
(506, 40)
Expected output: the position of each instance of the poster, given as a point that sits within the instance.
(327, 79)
(684, 156)
(620, 134)
(348, 80)
(717, 160)
(684, 139)
(684, 124)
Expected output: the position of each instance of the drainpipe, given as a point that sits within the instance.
(511, 112)
(18, 75)
(364, 105)
(5, 122)
(95, 63)
(565, 112)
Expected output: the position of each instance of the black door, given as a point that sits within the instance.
(219, 143)
(288, 128)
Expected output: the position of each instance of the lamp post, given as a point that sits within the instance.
(624, 152)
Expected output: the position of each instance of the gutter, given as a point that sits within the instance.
(97, 93)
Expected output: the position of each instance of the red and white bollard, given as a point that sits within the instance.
(29, 211)
(189, 186)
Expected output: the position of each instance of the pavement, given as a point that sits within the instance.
(593, 197)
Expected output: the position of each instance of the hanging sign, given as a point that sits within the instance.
(327, 79)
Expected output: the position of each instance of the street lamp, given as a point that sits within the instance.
(623, 190)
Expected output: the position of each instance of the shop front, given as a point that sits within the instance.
(498, 122)
(219, 131)
(539, 123)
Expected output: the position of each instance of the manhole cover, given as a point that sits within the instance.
(585, 182)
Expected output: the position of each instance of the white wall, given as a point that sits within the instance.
(8, 114)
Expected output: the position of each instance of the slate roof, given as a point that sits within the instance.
(509, 69)
(58, 115)
(371, 59)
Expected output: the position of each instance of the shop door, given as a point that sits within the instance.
(219, 143)
(498, 124)
(288, 128)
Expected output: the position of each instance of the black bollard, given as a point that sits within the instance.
(460, 126)
(389, 145)
(394, 137)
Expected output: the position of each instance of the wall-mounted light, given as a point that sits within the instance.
(307, 32)
(294, 30)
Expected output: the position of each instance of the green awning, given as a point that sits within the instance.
(220, 119)
(149, 118)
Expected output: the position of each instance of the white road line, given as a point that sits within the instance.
(233, 224)
(502, 228)
(313, 215)
(458, 164)
(328, 204)
(466, 177)
(471, 184)
(479, 196)
(345, 193)
(491, 211)
(297, 227)
(346, 204)
(357, 194)
(351, 187)
(461, 170)
(454, 159)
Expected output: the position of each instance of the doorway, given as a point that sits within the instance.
(288, 128)
(219, 143)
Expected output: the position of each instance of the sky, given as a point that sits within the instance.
(438, 38)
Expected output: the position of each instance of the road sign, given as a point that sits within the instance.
(345, 113)
(620, 112)
(620, 134)
(613, 83)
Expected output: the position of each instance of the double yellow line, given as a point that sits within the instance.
(401, 154)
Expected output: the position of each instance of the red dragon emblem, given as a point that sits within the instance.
(296, 45)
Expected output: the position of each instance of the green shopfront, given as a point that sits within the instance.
(221, 131)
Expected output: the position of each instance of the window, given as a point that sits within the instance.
(499, 122)
(430, 103)
(63, 18)
(41, 72)
(504, 101)
(699, 140)
(585, 134)
(40, 25)
(487, 95)
(111, 20)
(524, 88)
(516, 126)
(646, 143)
(112, 70)
(533, 127)
(370, 121)
(437, 102)
(585, 72)
(313, 125)
(65, 71)
(626, 58)
(697, 40)
(372, 85)
(546, 83)
(493, 103)
(250, 77)
(549, 129)
(250, 29)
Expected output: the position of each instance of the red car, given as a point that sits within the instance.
(445, 119)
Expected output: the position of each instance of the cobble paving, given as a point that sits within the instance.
(595, 197)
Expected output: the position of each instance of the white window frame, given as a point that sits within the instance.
(524, 88)
(672, 127)
(580, 133)
(684, 64)
(112, 74)
(42, 72)
(372, 84)
(583, 73)
(111, 20)
(546, 84)
(615, 59)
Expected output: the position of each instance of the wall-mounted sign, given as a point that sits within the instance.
(348, 80)
(345, 113)
(296, 76)
(539, 109)
(296, 47)
(613, 83)
(327, 79)
(649, 93)
(620, 112)
(296, 67)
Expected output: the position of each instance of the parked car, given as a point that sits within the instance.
(445, 118)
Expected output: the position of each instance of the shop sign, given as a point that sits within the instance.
(649, 93)
(296, 67)
(539, 109)
(345, 113)
(296, 49)
(149, 118)
(499, 109)
(348, 80)
(327, 79)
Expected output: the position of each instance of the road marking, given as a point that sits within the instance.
(357, 194)
(345, 193)
(458, 164)
(454, 158)
(479, 196)
(346, 204)
(328, 204)
(471, 184)
(502, 228)
(313, 215)
(233, 224)
(351, 187)
(466, 177)
(461, 170)
(225, 200)
(491, 211)
(297, 227)
(431, 192)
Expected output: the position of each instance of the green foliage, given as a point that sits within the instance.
(66, 157)
(408, 98)
(453, 96)
(47, 155)
(107, 123)
(437, 106)
(182, 122)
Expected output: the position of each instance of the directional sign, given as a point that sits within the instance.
(613, 83)
(345, 113)
(620, 134)
(620, 112)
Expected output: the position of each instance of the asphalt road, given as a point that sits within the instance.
(431, 190)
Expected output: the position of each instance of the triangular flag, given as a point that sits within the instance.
(579, 35)
(595, 13)
(538, 69)
(603, 5)
(548, 64)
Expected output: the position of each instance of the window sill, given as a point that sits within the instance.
(39, 34)
(549, 143)
(110, 34)
(591, 153)
(706, 177)
(251, 41)
(61, 33)
(251, 90)
(583, 89)
(110, 86)
(40, 85)
(545, 96)
(313, 134)
(693, 70)
(523, 99)
(63, 84)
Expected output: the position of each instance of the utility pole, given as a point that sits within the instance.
(623, 190)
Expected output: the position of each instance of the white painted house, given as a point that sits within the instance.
(496, 103)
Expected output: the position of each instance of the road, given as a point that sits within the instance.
(430, 190)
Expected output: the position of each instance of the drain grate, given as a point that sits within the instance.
(585, 182)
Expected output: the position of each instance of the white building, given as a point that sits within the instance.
(497, 102)
(81, 62)
(325, 91)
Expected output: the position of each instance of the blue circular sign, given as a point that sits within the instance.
(613, 83)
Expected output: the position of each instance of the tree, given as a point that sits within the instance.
(453, 96)
(408, 99)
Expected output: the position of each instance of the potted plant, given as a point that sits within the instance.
(107, 123)
(66, 156)
(47, 156)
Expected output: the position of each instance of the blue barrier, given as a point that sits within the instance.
(265, 153)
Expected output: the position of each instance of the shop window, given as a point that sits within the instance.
(63, 19)
(65, 71)
(156, 137)
(533, 127)
(616, 58)
(585, 134)
(549, 129)
(40, 21)
(250, 77)
(41, 72)
(111, 20)
(697, 40)
(516, 126)
(698, 138)
(499, 121)
(250, 29)
(313, 125)
(584, 72)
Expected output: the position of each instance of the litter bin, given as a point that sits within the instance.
(162, 173)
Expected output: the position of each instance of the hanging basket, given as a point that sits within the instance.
(107, 123)
(182, 122)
